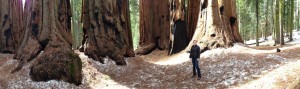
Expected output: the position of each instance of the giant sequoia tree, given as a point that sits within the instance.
(48, 40)
(154, 26)
(107, 30)
(192, 16)
(179, 38)
(11, 22)
(217, 25)
(212, 22)
(177, 10)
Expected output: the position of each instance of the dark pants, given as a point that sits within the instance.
(196, 67)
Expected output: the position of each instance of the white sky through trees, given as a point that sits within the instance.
(23, 1)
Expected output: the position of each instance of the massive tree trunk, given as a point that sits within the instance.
(106, 25)
(192, 19)
(154, 26)
(127, 28)
(48, 29)
(177, 10)
(178, 35)
(217, 24)
(11, 25)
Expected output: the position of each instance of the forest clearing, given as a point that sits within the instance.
(149, 44)
(240, 67)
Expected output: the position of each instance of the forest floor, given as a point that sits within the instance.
(241, 67)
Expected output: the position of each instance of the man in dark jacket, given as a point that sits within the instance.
(195, 55)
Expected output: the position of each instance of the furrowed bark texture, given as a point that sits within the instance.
(217, 25)
(154, 26)
(11, 25)
(179, 36)
(47, 39)
(107, 30)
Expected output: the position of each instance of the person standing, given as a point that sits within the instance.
(195, 55)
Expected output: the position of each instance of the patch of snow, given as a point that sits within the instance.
(174, 59)
(272, 56)
(229, 82)
(285, 77)
(220, 68)
(9, 62)
(259, 40)
(270, 41)
(94, 78)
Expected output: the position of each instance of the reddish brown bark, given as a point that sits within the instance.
(154, 26)
(217, 24)
(106, 27)
(178, 31)
(177, 10)
(11, 25)
(192, 18)
(127, 28)
(48, 29)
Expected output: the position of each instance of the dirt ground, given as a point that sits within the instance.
(237, 67)
(222, 70)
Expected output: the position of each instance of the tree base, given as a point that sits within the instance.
(57, 64)
(145, 49)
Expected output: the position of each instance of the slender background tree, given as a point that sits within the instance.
(257, 23)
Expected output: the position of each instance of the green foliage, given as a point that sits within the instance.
(247, 17)
(77, 33)
(267, 17)
(134, 19)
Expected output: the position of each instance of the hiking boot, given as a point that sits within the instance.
(198, 78)
(193, 76)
